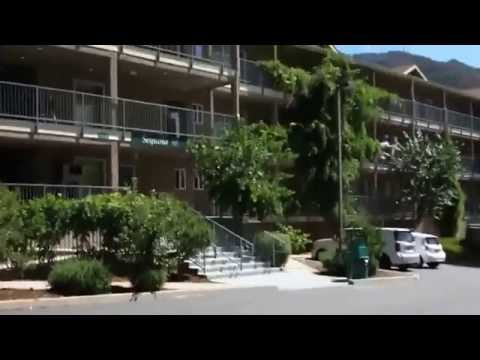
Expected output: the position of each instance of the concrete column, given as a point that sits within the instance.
(114, 148)
(275, 113)
(412, 95)
(212, 109)
(275, 52)
(375, 172)
(236, 84)
(472, 143)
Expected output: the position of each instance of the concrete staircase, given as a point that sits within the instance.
(216, 263)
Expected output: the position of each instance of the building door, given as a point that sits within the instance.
(93, 171)
(90, 109)
(127, 172)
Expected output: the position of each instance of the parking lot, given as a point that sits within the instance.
(446, 290)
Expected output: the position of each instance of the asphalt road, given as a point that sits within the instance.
(446, 290)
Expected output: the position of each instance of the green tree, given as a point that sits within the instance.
(245, 169)
(432, 168)
(313, 127)
(14, 247)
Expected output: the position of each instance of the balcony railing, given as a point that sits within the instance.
(214, 54)
(468, 164)
(27, 191)
(221, 55)
(251, 73)
(432, 115)
(65, 107)
(382, 206)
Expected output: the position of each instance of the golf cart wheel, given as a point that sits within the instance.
(403, 267)
(432, 265)
(385, 262)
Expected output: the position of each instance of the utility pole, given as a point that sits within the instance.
(340, 171)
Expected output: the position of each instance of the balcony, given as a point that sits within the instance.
(252, 74)
(471, 167)
(50, 111)
(212, 54)
(384, 207)
(432, 117)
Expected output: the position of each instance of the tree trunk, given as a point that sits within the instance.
(427, 224)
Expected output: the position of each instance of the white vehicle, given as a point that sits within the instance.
(429, 249)
(398, 248)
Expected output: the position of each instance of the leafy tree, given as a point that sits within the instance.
(14, 247)
(313, 127)
(45, 223)
(432, 167)
(245, 169)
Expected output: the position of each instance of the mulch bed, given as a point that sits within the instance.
(317, 265)
(7, 294)
(188, 277)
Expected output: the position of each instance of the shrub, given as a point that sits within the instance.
(188, 232)
(298, 239)
(266, 244)
(148, 280)
(45, 222)
(14, 247)
(80, 277)
(106, 213)
(336, 266)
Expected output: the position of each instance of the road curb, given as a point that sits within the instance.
(29, 304)
(414, 276)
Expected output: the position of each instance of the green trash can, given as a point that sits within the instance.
(358, 256)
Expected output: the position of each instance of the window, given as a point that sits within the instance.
(198, 183)
(431, 241)
(403, 236)
(198, 113)
(180, 179)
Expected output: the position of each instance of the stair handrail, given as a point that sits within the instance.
(242, 240)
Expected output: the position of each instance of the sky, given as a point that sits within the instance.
(468, 54)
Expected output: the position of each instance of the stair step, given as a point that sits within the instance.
(248, 272)
(232, 266)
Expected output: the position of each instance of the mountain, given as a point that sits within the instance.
(451, 73)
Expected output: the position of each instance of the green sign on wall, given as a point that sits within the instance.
(145, 140)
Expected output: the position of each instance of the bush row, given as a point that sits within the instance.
(140, 234)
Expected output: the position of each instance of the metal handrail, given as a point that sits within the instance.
(405, 108)
(27, 191)
(241, 239)
(274, 250)
(107, 97)
(65, 186)
(243, 245)
(63, 106)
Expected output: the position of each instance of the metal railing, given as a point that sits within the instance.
(381, 206)
(68, 243)
(275, 250)
(251, 73)
(470, 164)
(219, 55)
(65, 107)
(26, 191)
(224, 241)
(429, 113)
(432, 115)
